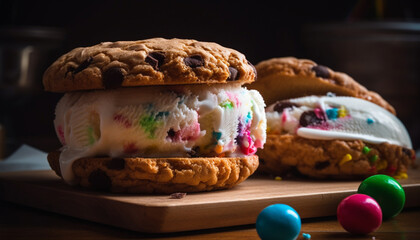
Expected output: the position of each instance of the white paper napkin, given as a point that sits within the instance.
(25, 158)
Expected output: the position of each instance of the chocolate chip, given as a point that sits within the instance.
(155, 59)
(321, 71)
(112, 78)
(321, 165)
(280, 106)
(81, 67)
(194, 61)
(253, 68)
(233, 74)
(310, 118)
(116, 164)
(99, 180)
(171, 135)
(194, 151)
(408, 152)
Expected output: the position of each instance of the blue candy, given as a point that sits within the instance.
(332, 113)
(278, 221)
(370, 121)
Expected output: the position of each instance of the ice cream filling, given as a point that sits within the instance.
(333, 117)
(171, 121)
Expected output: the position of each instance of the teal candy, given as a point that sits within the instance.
(386, 191)
(278, 221)
(332, 113)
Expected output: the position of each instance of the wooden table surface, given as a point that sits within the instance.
(20, 222)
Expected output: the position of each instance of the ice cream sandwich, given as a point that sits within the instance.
(156, 116)
(323, 124)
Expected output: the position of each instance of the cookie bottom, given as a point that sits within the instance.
(159, 175)
(336, 159)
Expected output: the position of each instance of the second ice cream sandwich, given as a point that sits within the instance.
(156, 116)
(324, 124)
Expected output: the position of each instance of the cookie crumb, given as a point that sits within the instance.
(177, 195)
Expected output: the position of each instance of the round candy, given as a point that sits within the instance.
(386, 191)
(359, 214)
(278, 221)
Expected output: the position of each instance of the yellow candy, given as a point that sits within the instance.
(278, 178)
(218, 149)
(401, 175)
(381, 165)
(345, 159)
(342, 112)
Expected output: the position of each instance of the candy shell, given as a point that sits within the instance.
(386, 191)
(359, 214)
(278, 221)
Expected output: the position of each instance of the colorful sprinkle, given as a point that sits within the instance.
(228, 105)
(218, 149)
(248, 118)
(161, 115)
(345, 159)
(319, 113)
(278, 178)
(401, 175)
(149, 125)
(306, 236)
(246, 143)
(130, 148)
(119, 118)
(373, 158)
(217, 135)
(61, 135)
(366, 150)
(91, 135)
(370, 121)
(342, 112)
(332, 113)
(381, 165)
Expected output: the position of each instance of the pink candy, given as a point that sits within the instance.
(359, 214)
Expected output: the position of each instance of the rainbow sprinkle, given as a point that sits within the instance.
(332, 113)
(218, 149)
(91, 135)
(342, 112)
(370, 121)
(345, 159)
(373, 158)
(401, 175)
(306, 236)
(228, 105)
(366, 150)
(381, 165)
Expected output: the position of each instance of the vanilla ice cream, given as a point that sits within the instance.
(169, 121)
(333, 117)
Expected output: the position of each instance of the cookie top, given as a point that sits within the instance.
(155, 61)
(288, 77)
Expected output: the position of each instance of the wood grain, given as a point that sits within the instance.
(158, 213)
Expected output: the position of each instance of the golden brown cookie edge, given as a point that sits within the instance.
(157, 180)
(289, 77)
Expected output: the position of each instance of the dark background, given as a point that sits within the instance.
(375, 42)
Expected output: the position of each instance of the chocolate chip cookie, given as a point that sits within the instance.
(155, 61)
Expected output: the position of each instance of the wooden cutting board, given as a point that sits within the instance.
(150, 213)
